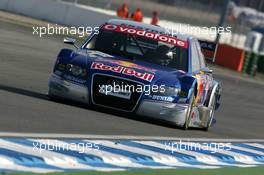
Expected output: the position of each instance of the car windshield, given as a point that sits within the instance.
(139, 47)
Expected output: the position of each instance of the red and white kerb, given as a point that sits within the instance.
(146, 34)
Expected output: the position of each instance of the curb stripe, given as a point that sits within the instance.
(136, 157)
(184, 158)
(83, 158)
(111, 158)
(156, 156)
(51, 155)
(252, 146)
(167, 156)
(228, 159)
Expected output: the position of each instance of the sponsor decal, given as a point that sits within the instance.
(162, 98)
(131, 65)
(123, 70)
(207, 45)
(96, 54)
(208, 48)
(146, 34)
(202, 85)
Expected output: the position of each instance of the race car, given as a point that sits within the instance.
(139, 69)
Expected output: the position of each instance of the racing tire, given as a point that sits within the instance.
(189, 112)
(50, 96)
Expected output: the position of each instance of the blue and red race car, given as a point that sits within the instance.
(139, 69)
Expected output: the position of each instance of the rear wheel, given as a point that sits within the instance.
(189, 112)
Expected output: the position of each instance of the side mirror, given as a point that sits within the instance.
(70, 41)
(207, 70)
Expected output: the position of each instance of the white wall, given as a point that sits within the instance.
(68, 14)
(3, 4)
(55, 11)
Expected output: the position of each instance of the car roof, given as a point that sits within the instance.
(145, 26)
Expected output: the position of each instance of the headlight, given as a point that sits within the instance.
(76, 70)
(171, 91)
(168, 91)
(183, 94)
(61, 67)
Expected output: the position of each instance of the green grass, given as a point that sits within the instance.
(220, 171)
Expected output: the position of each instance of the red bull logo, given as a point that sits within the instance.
(123, 70)
(131, 65)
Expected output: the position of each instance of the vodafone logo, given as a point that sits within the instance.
(123, 70)
(146, 34)
(109, 27)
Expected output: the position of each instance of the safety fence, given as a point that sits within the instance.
(253, 63)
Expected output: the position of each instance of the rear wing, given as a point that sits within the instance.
(209, 49)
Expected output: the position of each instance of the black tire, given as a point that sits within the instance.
(50, 96)
(189, 112)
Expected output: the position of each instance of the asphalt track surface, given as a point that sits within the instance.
(26, 62)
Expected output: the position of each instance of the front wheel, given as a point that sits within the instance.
(189, 112)
(50, 96)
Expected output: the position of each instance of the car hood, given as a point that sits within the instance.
(99, 62)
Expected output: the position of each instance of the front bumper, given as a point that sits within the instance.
(174, 113)
(171, 112)
(58, 87)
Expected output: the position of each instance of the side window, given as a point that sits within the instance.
(201, 56)
(195, 58)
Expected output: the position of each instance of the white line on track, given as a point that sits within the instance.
(117, 137)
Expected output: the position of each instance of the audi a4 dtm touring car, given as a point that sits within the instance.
(139, 69)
